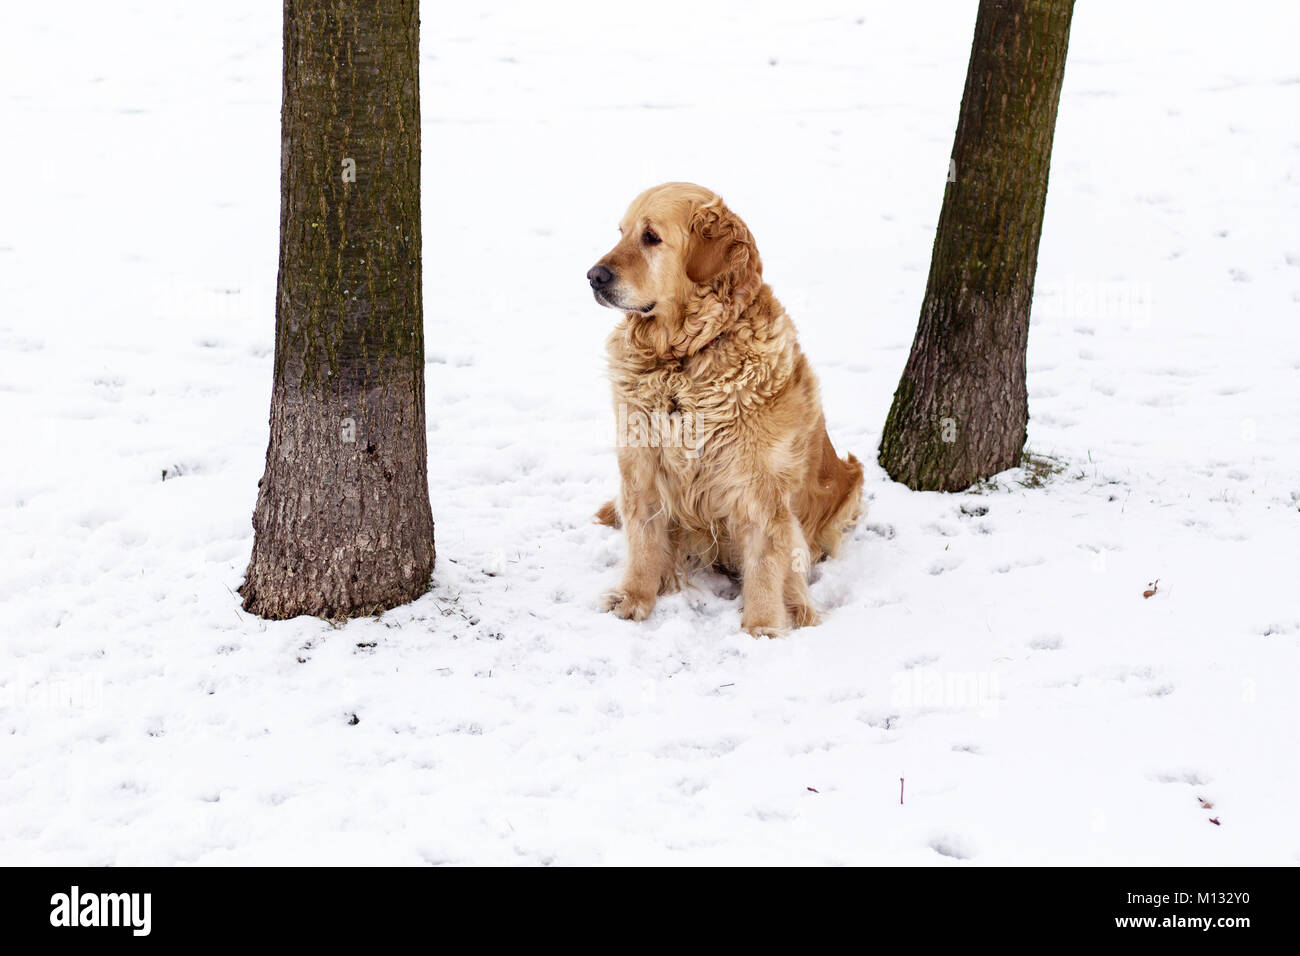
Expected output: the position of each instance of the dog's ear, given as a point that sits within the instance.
(720, 245)
(722, 262)
(709, 250)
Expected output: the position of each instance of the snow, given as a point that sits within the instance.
(992, 648)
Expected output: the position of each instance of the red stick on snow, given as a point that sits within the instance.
(900, 791)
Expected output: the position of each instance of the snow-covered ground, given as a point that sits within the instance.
(993, 648)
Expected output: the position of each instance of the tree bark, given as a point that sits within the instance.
(961, 409)
(343, 524)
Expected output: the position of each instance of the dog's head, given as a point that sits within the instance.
(684, 267)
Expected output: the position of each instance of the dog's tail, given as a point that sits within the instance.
(842, 505)
(607, 514)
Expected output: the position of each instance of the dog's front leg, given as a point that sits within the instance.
(649, 545)
(765, 558)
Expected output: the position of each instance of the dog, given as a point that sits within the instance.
(722, 448)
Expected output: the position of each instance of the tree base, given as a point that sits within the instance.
(343, 524)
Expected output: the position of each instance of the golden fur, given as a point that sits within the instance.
(723, 450)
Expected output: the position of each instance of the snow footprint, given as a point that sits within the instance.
(953, 846)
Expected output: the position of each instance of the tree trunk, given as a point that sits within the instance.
(961, 409)
(343, 525)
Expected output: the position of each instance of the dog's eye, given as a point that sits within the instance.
(650, 239)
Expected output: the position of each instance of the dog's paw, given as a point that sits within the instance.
(766, 630)
(630, 607)
(766, 621)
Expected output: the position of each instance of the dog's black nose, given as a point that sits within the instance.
(599, 277)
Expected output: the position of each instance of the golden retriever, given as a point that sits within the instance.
(722, 445)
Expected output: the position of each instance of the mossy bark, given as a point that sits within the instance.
(343, 523)
(961, 409)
